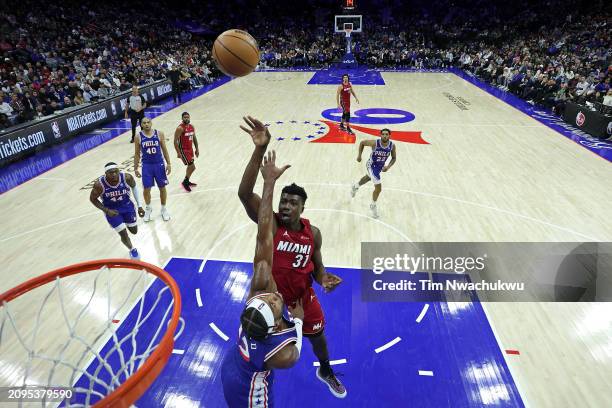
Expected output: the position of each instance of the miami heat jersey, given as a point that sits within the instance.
(380, 154)
(150, 148)
(186, 138)
(345, 94)
(116, 196)
(292, 265)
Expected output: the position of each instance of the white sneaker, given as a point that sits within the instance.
(354, 190)
(165, 214)
(147, 216)
(374, 210)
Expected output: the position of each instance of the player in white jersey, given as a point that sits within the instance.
(381, 150)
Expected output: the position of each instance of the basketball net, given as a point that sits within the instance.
(115, 375)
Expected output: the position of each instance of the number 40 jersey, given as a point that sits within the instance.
(292, 264)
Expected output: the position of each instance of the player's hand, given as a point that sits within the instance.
(141, 212)
(385, 168)
(259, 133)
(111, 213)
(168, 169)
(137, 173)
(297, 310)
(197, 153)
(359, 159)
(330, 281)
(269, 171)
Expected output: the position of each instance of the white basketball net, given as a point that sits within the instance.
(57, 363)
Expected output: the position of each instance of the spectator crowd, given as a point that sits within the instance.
(71, 53)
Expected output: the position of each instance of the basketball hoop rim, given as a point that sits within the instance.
(128, 392)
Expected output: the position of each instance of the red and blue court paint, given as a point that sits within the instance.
(390, 354)
(43, 161)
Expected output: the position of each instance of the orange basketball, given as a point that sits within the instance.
(236, 53)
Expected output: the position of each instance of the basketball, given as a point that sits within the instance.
(236, 53)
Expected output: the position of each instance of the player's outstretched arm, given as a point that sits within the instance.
(261, 137)
(262, 264)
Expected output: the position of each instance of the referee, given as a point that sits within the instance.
(135, 109)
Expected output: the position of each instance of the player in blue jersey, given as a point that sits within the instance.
(114, 189)
(151, 144)
(268, 338)
(381, 150)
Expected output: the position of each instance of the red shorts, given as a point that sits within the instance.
(346, 106)
(314, 320)
(187, 157)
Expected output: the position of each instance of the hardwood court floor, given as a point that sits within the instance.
(489, 173)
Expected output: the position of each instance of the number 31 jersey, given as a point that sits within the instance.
(292, 264)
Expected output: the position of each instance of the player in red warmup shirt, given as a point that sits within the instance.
(343, 96)
(184, 135)
(297, 253)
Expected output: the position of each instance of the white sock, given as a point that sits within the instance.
(148, 207)
(163, 207)
(356, 186)
(373, 204)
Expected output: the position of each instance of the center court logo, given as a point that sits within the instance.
(580, 119)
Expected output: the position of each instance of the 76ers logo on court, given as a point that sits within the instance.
(372, 116)
(580, 118)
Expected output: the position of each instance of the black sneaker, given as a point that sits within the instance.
(350, 131)
(192, 184)
(186, 187)
(333, 383)
(132, 140)
(342, 128)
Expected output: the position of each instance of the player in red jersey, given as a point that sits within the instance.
(343, 97)
(297, 253)
(183, 136)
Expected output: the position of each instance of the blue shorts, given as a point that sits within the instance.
(374, 171)
(126, 216)
(242, 389)
(154, 173)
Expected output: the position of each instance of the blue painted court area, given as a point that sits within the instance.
(356, 76)
(449, 359)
